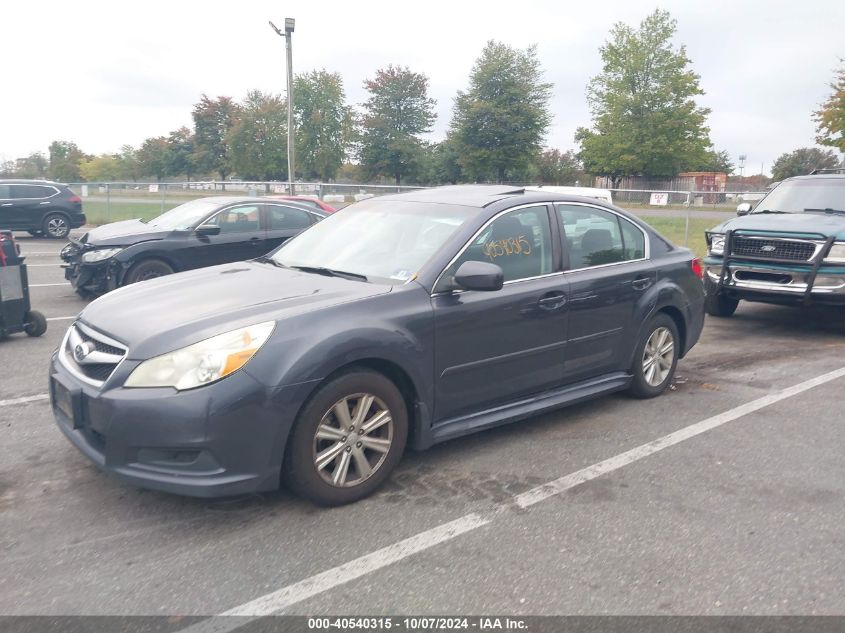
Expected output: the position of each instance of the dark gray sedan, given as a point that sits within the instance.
(400, 321)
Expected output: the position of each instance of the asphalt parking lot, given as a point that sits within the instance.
(740, 511)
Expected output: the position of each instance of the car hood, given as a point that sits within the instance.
(157, 316)
(809, 223)
(123, 234)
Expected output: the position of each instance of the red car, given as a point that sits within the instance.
(314, 202)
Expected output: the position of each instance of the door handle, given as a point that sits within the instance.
(641, 283)
(552, 302)
(255, 240)
(6, 204)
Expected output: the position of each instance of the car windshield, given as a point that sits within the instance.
(800, 196)
(185, 216)
(384, 241)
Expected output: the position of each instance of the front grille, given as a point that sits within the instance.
(91, 355)
(793, 250)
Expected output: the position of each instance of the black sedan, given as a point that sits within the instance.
(403, 320)
(200, 233)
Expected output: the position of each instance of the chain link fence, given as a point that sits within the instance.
(682, 216)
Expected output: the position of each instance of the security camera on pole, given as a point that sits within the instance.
(289, 25)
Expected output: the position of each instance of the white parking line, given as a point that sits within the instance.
(42, 265)
(283, 598)
(24, 400)
(69, 318)
(47, 285)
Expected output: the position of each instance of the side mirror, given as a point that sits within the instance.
(479, 276)
(744, 208)
(207, 229)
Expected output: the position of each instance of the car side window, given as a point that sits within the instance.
(5, 193)
(31, 191)
(633, 240)
(236, 219)
(519, 242)
(282, 218)
(592, 236)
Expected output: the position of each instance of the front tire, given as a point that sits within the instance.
(147, 269)
(655, 358)
(347, 439)
(717, 304)
(56, 226)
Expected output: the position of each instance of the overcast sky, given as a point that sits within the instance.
(104, 74)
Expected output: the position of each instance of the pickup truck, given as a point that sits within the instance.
(790, 249)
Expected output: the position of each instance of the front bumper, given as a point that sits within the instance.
(223, 439)
(98, 278)
(777, 282)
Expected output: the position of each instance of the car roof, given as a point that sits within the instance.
(25, 181)
(817, 177)
(482, 196)
(494, 197)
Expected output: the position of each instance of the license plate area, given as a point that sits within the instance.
(69, 402)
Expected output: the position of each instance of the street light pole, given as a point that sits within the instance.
(289, 26)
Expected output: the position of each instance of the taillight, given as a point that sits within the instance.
(697, 267)
(75, 199)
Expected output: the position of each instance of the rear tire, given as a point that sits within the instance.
(35, 324)
(56, 226)
(147, 269)
(655, 358)
(716, 303)
(333, 458)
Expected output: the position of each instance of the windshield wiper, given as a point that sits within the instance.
(827, 210)
(330, 272)
(770, 211)
(268, 260)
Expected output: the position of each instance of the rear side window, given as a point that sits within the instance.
(633, 240)
(32, 191)
(594, 237)
(282, 218)
(4, 192)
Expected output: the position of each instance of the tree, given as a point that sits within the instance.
(558, 168)
(447, 165)
(64, 161)
(719, 161)
(33, 166)
(396, 113)
(154, 158)
(213, 120)
(802, 161)
(499, 123)
(830, 118)
(181, 153)
(102, 168)
(323, 124)
(258, 140)
(645, 118)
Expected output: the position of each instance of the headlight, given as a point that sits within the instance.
(204, 362)
(837, 253)
(717, 244)
(89, 257)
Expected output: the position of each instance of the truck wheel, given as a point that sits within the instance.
(34, 323)
(717, 304)
(147, 269)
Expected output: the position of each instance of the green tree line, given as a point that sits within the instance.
(645, 121)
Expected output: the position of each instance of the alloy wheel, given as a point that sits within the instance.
(658, 356)
(352, 440)
(57, 226)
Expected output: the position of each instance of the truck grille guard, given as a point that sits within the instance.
(815, 262)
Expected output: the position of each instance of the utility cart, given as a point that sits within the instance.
(16, 314)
